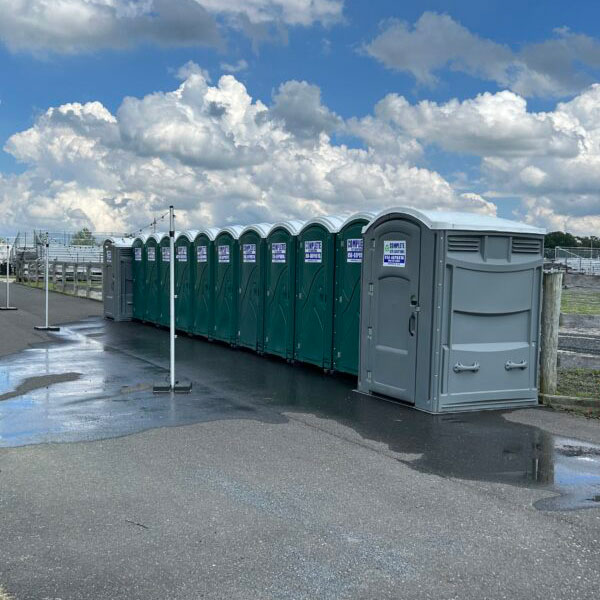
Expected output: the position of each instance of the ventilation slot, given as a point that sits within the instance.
(459, 243)
(526, 246)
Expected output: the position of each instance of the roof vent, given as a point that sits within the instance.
(526, 246)
(463, 243)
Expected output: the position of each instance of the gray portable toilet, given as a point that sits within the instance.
(450, 310)
(117, 278)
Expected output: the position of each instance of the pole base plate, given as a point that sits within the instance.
(8, 308)
(181, 387)
(49, 328)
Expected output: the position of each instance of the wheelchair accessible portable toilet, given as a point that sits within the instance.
(315, 288)
(151, 275)
(226, 284)
(184, 281)
(251, 289)
(204, 281)
(346, 311)
(117, 282)
(280, 285)
(138, 267)
(450, 310)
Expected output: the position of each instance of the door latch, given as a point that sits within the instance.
(460, 368)
(510, 365)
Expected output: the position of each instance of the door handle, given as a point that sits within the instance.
(460, 368)
(412, 324)
(510, 365)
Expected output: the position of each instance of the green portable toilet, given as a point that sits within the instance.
(184, 281)
(204, 281)
(346, 312)
(226, 284)
(280, 285)
(138, 272)
(251, 289)
(151, 276)
(315, 288)
(164, 257)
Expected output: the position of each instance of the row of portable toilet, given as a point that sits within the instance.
(291, 289)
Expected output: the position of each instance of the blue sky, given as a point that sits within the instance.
(534, 60)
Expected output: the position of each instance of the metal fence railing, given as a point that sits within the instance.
(579, 260)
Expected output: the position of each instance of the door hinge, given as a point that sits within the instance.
(370, 289)
(339, 355)
(369, 332)
(369, 376)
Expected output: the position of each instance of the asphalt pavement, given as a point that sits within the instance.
(270, 481)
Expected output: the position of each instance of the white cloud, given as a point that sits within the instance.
(549, 159)
(240, 65)
(214, 152)
(71, 26)
(555, 67)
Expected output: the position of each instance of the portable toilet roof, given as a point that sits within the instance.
(233, 230)
(261, 228)
(143, 237)
(190, 235)
(210, 232)
(120, 242)
(332, 223)
(159, 236)
(293, 226)
(366, 215)
(440, 219)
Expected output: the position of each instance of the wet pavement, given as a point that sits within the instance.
(94, 381)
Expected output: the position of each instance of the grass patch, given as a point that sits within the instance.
(580, 302)
(582, 383)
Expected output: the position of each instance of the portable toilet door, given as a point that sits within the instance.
(164, 260)
(184, 281)
(151, 275)
(204, 282)
(139, 279)
(450, 310)
(346, 312)
(251, 290)
(315, 287)
(117, 279)
(280, 286)
(226, 284)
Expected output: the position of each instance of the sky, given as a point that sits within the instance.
(253, 111)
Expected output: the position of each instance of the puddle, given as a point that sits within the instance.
(119, 362)
(42, 381)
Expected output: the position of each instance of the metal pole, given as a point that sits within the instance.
(8, 306)
(172, 290)
(47, 327)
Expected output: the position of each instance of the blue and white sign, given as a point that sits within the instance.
(137, 253)
(354, 250)
(151, 254)
(394, 253)
(249, 253)
(108, 256)
(279, 252)
(182, 253)
(313, 251)
(202, 254)
(223, 254)
(166, 254)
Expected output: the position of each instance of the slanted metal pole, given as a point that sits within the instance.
(172, 291)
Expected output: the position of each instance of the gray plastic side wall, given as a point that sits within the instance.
(117, 284)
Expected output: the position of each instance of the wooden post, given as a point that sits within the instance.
(63, 274)
(75, 276)
(88, 278)
(552, 292)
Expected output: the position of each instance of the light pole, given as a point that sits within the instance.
(8, 306)
(47, 327)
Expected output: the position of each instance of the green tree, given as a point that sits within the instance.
(560, 238)
(83, 237)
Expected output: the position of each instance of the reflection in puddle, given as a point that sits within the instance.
(118, 363)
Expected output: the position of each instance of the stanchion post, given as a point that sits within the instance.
(8, 306)
(174, 385)
(47, 327)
